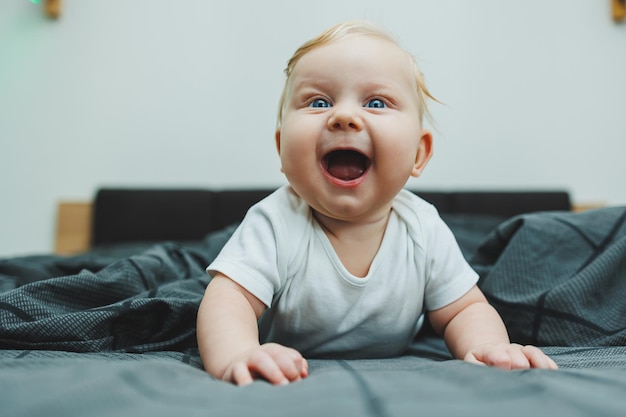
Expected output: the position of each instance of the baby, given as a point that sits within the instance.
(342, 262)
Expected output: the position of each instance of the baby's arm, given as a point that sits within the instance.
(474, 331)
(228, 338)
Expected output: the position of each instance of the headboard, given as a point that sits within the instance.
(123, 215)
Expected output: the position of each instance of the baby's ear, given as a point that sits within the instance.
(424, 152)
(277, 136)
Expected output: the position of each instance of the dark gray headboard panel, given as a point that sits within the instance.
(132, 215)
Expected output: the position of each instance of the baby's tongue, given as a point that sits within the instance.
(346, 165)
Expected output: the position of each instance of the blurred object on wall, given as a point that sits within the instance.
(619, 10)
(52, 8)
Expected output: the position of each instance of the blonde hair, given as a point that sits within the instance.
(344, 30)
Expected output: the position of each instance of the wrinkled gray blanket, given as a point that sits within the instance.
(559, 279)
(112, 333)
(98, 302)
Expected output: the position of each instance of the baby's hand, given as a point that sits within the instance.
(275, 363)
(510, 356)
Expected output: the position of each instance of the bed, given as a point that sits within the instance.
(108, 327)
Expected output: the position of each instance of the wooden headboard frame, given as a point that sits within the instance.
(73, 227)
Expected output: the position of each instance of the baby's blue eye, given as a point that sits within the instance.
(319, 103)
(376, 104)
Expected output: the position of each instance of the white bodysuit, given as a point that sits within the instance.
(281, 255)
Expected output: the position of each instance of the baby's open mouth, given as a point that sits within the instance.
(346, 165)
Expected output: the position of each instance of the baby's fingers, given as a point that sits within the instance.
(258, 365)
(289, 360)
(471, 358)
(275, 363)
(524, 357)
(240, 374)
(538, 359)
(498, 357)
(511, 356)
(263, 365)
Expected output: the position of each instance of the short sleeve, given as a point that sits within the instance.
(250, 257)
(449, 275)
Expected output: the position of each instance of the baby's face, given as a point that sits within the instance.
(351, 134)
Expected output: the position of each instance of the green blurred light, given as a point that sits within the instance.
(35, 1)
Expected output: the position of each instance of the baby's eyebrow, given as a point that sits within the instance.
(315, 83)
(312, 82)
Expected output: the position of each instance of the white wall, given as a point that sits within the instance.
(184, 93)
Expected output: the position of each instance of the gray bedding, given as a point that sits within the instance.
(112, 333)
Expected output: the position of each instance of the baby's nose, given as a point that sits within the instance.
(345, 117)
